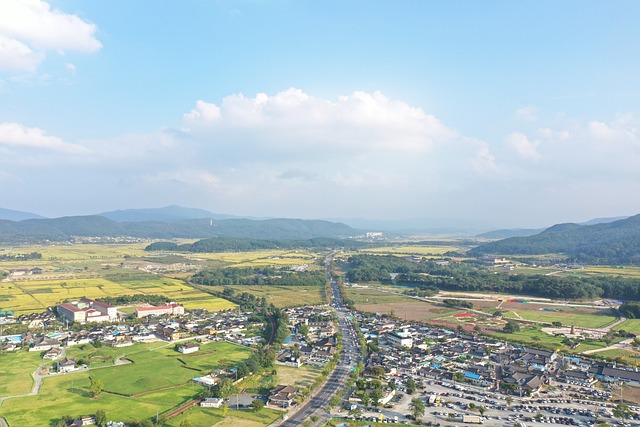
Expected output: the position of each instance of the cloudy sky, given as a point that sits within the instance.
(496, 114)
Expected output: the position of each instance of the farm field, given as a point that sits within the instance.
(15, 371)
(261, 258)
(435, 250)
(37, 295)
(157, 368)
(282, 296)
(153, 367)
(69, 395)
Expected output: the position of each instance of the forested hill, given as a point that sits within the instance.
(60, 229)
(616, 242)
(242, 244)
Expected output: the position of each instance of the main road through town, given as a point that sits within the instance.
(349, 358)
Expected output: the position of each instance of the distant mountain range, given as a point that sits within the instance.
(616, 242)
(12, 215)
(166, 214)
(59, 229)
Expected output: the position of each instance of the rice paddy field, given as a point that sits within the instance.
(435, 251)
(70, 272)
(263, 258)
(37, 295)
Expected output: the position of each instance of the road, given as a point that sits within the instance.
(349, 357)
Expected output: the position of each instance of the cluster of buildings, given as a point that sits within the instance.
(91, 311)
(316, 346)
(87, 310)
(412, 351)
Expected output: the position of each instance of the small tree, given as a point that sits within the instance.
(95, 387)
(376, 395)
(511, 327)
(417, 408)
(366, 398)
(257, 405)
(509, 400)
(355, 413)
(482, 410)
(225, 409)
(185, 423)
(622, 411)
(411, 386)
(101, 418)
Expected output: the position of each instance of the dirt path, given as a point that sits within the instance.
(622, 345)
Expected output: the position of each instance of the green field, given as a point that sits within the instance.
(154, 367)
(533, 335)
(566, 317)
(629, 325)
(16, 369)
(208, 417)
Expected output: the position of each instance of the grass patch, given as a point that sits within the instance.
(299, 377)
(16, 369)
(208, 417)
(629, 325)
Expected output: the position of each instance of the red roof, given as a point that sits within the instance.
(70, 307)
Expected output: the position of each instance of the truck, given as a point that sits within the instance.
(472, 419)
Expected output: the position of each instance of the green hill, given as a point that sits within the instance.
(616, 242)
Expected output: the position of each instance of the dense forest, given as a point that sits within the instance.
(240, 244)
(259, 276)
(470, 276)
(612, 243)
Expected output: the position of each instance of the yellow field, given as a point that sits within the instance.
(261, 258)
(34, 296)
(413, 250)
(83, 251)
(71, 272)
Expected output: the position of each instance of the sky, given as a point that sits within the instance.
(494, 114)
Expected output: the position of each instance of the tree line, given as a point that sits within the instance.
(258, 276)
(243, 244)
(472, 276)
(21, 257)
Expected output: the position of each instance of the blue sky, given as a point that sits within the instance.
(492, 114)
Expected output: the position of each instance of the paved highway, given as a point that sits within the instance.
(349, 358)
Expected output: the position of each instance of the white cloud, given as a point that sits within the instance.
(29, 28)
(523, 146)
(295, 121)
(363, 154)
(527, 114)
(15, 55)
(19, 136)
